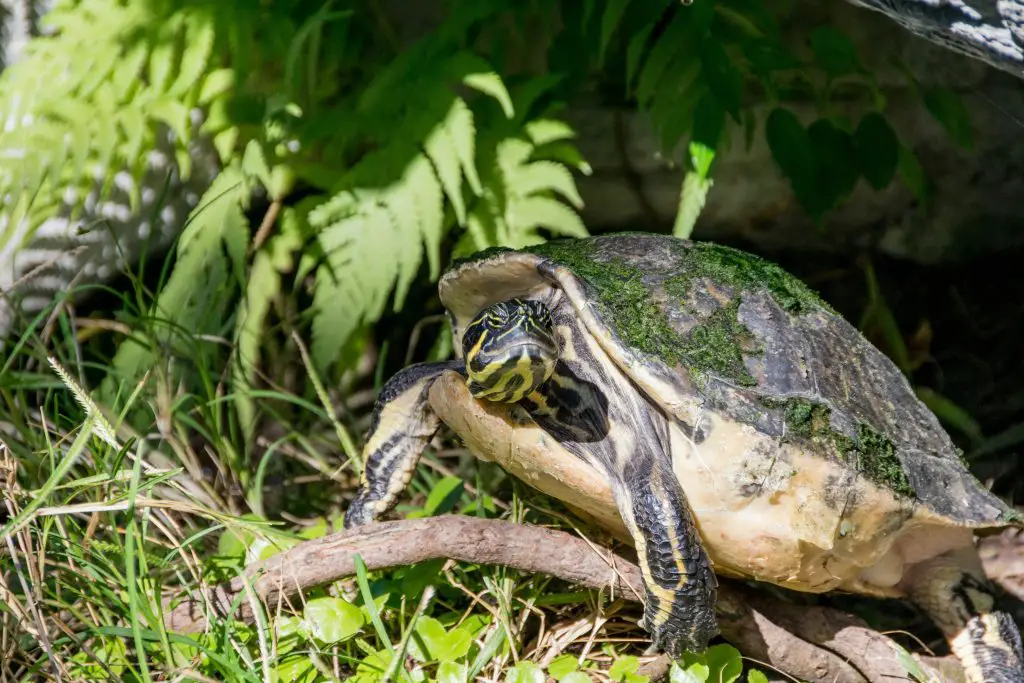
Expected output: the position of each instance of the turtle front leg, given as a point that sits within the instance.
(681, 587)
(954, 591)
(401, 426)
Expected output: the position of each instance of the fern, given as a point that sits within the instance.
(523, 189)
(87, 101)
(379, 228)
(209, 266)
(94, 98)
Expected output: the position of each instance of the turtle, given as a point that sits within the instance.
(705, 405)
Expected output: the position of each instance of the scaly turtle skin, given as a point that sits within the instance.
(708, 407)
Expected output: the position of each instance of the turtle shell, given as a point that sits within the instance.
(702, 327)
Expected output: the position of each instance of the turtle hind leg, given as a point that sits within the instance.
(401, 426)
(953, 590)
(679, 610)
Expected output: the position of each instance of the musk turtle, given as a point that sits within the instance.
(708, 407)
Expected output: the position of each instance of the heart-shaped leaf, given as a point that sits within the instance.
(694, 673)
(452, 672)
(332, 620)
(563, 665)
(431, 642)
(525, 672)
(834, 52)
(877, 150)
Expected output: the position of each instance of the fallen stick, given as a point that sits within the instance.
(818, 644)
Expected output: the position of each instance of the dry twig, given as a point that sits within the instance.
(813, 644)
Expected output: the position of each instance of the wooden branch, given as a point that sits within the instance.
(810, 643)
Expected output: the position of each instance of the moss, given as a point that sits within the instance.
(872, 453)
(482, 255)
(878, 459)
(1011, 517)
(744, 271)
(716, 347)
(805, 418)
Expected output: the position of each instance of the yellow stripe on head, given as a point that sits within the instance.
(510, 349)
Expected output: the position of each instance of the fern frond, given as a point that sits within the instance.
(263, 285)
(522, 193)
(208, 268)
(374, 241)
(113, 96)
(378, 229)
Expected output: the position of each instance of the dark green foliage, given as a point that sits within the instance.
(795, 154)
(834, 52)
(708, 121)
(949, 110)
(838, 174)
(876, 149)
(724, 80)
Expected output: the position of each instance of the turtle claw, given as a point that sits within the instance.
(676, 636)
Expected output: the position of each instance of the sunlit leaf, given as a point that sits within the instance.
(491, 84)
(332, 620)
(431, 642)
(525, 672)
(563, 665)
(693, 673)
(452, 672)
(575, 677)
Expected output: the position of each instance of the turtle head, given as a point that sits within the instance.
(510, 349)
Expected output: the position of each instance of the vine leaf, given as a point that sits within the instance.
(876, 149)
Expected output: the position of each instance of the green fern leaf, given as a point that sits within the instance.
(490, 84)
(374, 242)
(440, 147)
(210, 256)
(520, 198)
(635, 52)
(462, 131)
(199, 37)
(670, 44)
(534, 212)
(358, 272)
(609, 22)
(424, 210)
(428, 204)
(216, 84)
(544, 131)
(545, 175)
(164, 55)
